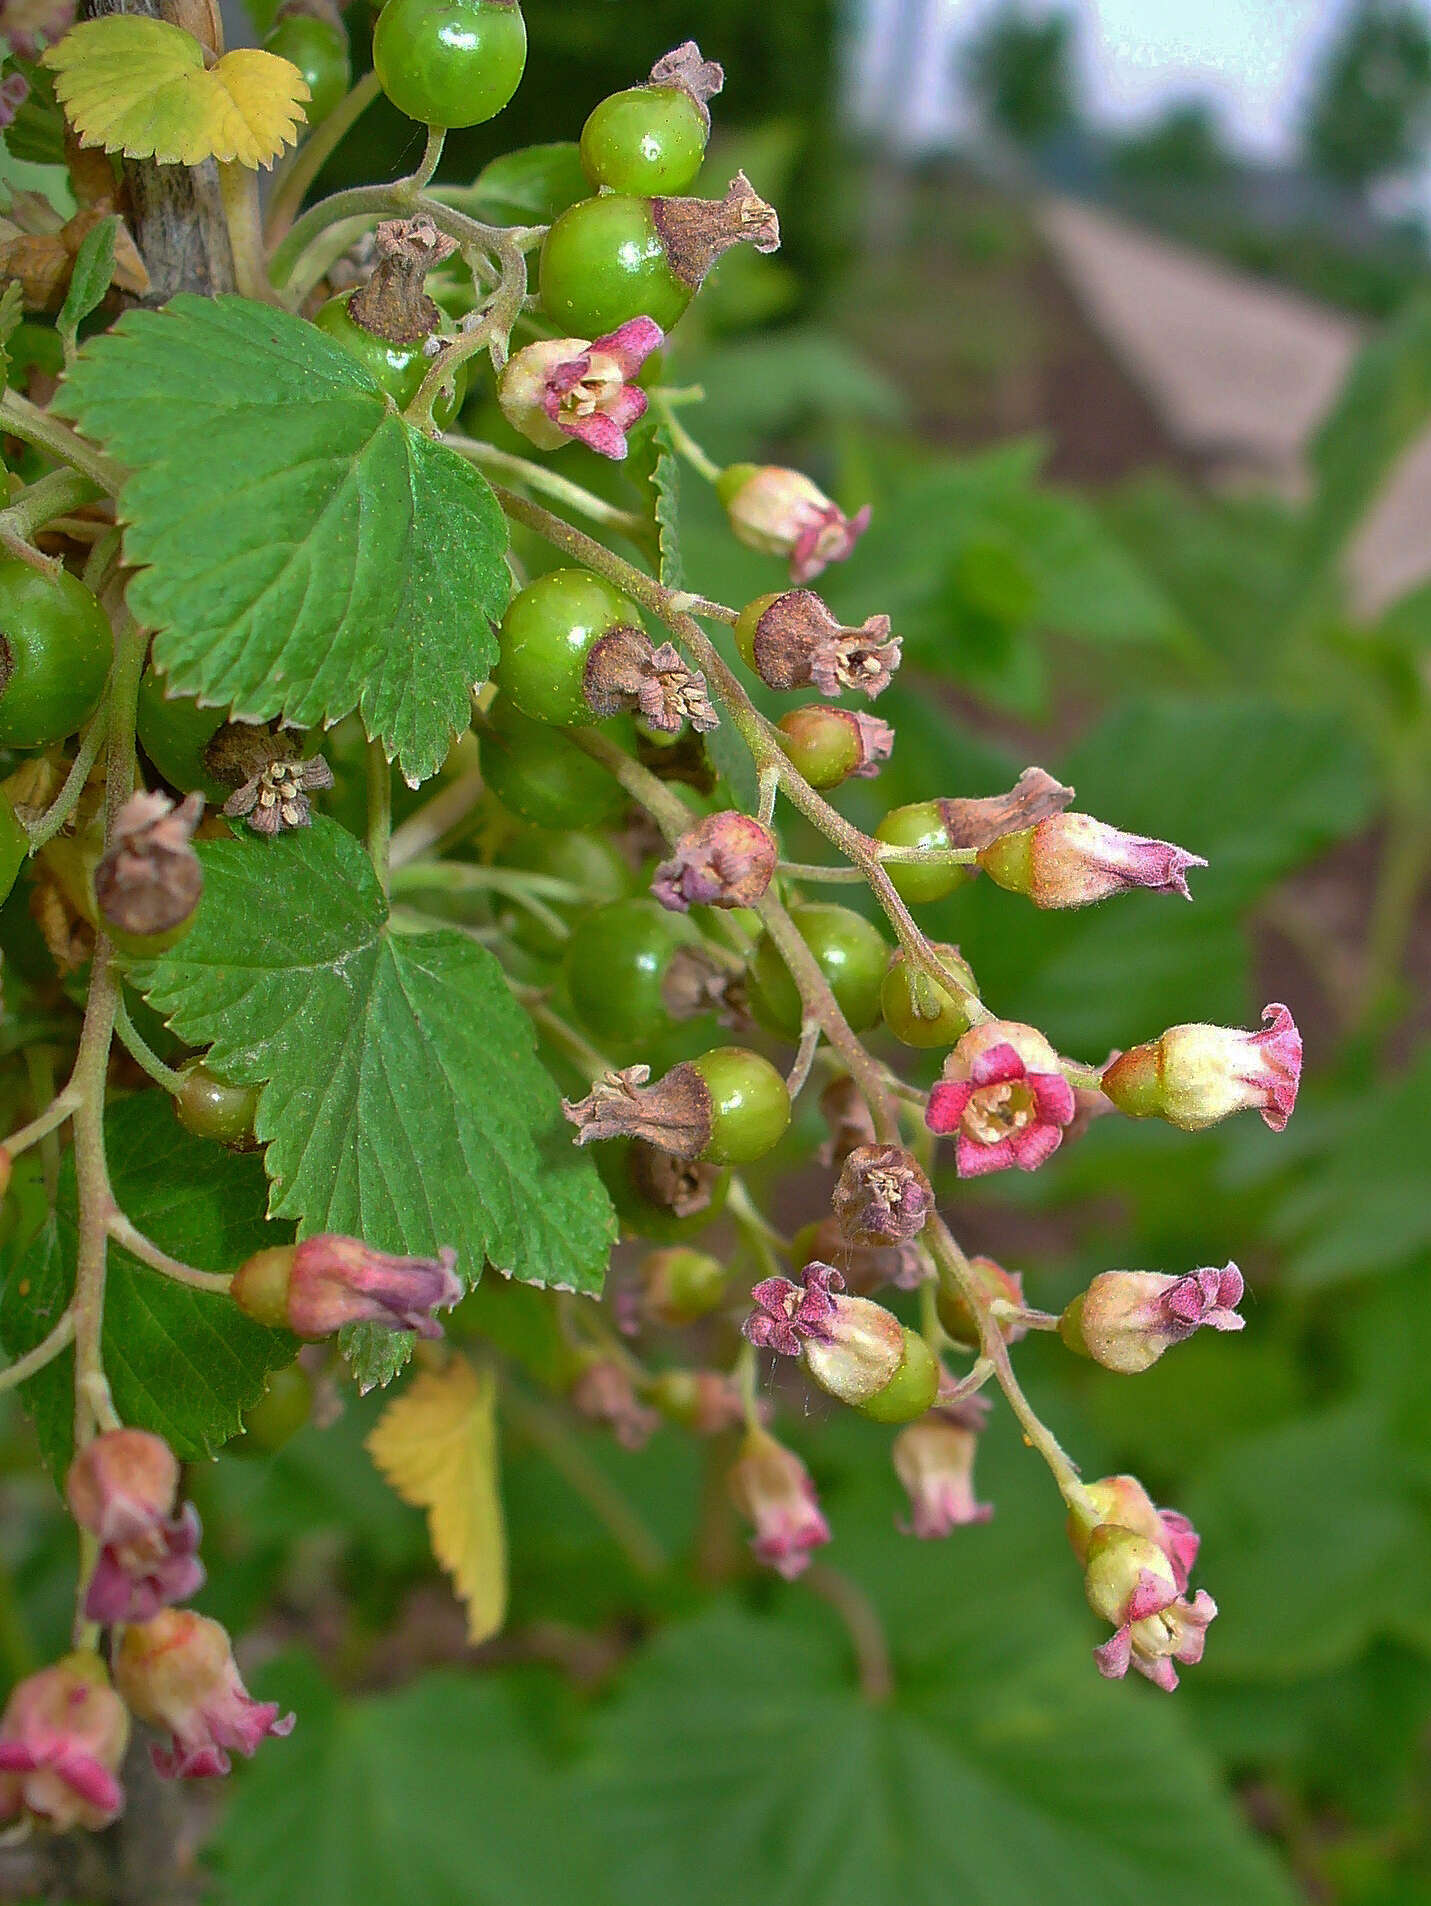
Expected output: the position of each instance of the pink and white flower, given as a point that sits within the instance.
(934, 1460)
(62, 1738)
(1131, 1582)
(851, 1347)
(178, 1673)
(782, 513)
(1123, 1500)
(1004, 1098)
(561, 389)
(1193, 1076)
(121, 1488)
(316, 1286)
(1125, 1320)
(1072, 860)
(772, 1489)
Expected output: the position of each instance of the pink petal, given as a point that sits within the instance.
(627, 407)
(1159, 1670)
(1113, 1657)
(631, 344)
(564, 377)
(997, 1066)
(598, 432)
(1150, 1597)
(90, 1781)
(1053, 1096)
(973, 1160)
(947, 1104)
(1034, 1144)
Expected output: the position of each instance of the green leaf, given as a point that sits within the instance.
(89, 280)
(37, 133)
(433, 1794)
(531, 186)
(181, 1362)
(301, 550)
(12, 314)
(402, 1102)
(740, 1763)
(666, 505)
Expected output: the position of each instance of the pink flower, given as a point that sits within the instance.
(604, 1393)
(62, 1738)
(562, 388)
(1123, 1500)
(1131, 1582)
(934, 1459)
(14, 91)
(1005, 1097)
(1125, 1320)
(851, 1347)
(121, 1488)
(178, 1673)
(32, 25)
(1071, 860)
(772, 1489)
(1195, 1075)
(782, 513)
(315, 1287)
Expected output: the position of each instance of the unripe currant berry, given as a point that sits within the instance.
(750, 1105)
(679, 1285)
(387, 323)
(55, 652)
(829, 745)
(210, 1108)
(919, 1011)
(284, 1408)
(617, 963)
(920, 824)
(850, 952)
(538, 775)
(728, 1107)
(548, 634)
(310, 35)
(911, 1390)
(652, 138)
(610, 259)
(176, 733)
(791, 639)
(450, 63)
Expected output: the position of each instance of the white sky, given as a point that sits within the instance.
(1253, 58)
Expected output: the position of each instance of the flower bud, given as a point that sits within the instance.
(561, 389)
(1123, 1500)
(1125, 1320)
(726, 860)
(680, 1285)
(772, 1489)
(178, 1673)
(121, 1488)
(998, 1285)
(604, 1393)
(934, 1460)
(1195, 1075)
(791, 640)
(1071, 860)
(1131, 1583)
(851, 1347)
(883, 1196)
(782, 513)
(62, 1738)
(830, 745)
(315, 1287)
(1004, 1097)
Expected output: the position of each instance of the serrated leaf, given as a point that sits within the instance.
(90, 278)
(402, 1101)
(182, 1362)
(666, 506)
(437, 1446)
(139, 86)
(319, 555)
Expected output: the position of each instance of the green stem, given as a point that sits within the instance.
(141, 1053)
(436, 818)
(685, 443)
(75, 783)
(292, 180)
(56, 493)
(431, 159)
(238, 188)
(23, 1368)
(542, 1427)
(380, 811)
(20, 418)
(53, 1116)
(130, 1238)
(559, 488)
(863, 1626)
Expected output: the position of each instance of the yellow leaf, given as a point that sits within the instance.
(437, 1446)
(140, 87)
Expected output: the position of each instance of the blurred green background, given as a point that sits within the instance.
(1202, 634)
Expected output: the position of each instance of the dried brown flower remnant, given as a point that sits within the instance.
(149, 879)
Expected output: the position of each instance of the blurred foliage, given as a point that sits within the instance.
(1370, 112)
(1020, 69)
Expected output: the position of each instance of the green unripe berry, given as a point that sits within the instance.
(175, 732)
(538, 775)
(450, 63)
(210, 1108)
(750, 1105)
(911, 1390)
(920, 824)
(681, 1285)
(548, 634)
(603, 262)
(319, 49)
(850, 952)
(920, 1012)
(823, 744)
(648, 140)
(748, 621)
(55, 653)
(617, 960)
(284, 1408)
(397, 365)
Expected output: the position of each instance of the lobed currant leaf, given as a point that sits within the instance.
(183, 1363)
(140, 87)
(402, 1102)
(301, 550)
(437, 1446)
